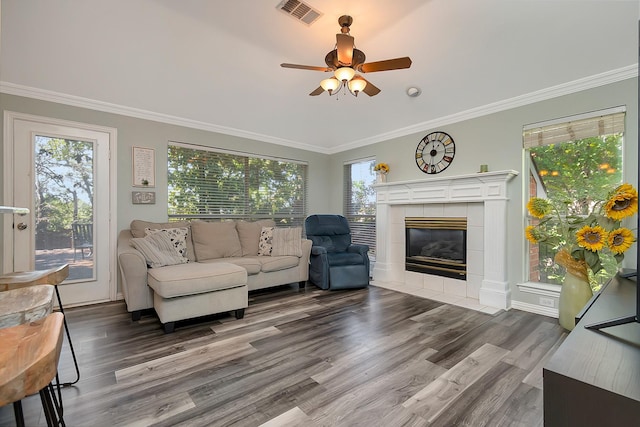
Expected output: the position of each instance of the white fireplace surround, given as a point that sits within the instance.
(486, 190)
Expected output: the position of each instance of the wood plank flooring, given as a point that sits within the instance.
(306, 357)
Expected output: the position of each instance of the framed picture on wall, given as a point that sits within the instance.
(143, 161)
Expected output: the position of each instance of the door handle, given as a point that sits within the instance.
(22, 226)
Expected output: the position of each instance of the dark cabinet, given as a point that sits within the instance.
(593, 379)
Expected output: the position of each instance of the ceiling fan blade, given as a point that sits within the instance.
(317, 92)
(344, 47)
(305, 67)
(389, 64)
(370, 89)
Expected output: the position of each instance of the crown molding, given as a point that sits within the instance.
(590, 82)
(106, 107)
(608, 77)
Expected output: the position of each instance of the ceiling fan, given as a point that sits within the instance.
(345, 61)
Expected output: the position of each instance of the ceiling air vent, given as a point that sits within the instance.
(299, 11)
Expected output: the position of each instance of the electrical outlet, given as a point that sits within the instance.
(547, 302)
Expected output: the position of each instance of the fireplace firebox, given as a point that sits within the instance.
(437, 246)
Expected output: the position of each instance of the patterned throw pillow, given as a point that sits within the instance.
(266, 241)
(177, 236)
(158, 250)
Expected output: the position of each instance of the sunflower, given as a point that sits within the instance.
(591, 238)
(620, 240)
(539, 207)
(531, 234)
(622, 203)
(382, 168)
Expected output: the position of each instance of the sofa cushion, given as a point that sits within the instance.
(249, 234)
(158, 250)
(195, 278)
(249, 263)
(287, 241)
(277, 263)
(215, 240)
(344, 258)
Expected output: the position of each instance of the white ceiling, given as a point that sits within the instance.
(216, 64)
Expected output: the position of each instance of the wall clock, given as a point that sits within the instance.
(435, 152)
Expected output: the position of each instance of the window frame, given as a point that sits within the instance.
(369, 236)
(542, 288)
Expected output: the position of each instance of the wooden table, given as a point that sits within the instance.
(53, 276)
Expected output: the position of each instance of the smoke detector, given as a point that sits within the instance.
(413, 92)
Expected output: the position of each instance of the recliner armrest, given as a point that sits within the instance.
(361, 249)
(318, 250)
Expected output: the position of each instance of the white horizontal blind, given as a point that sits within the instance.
(360, 202)
(210, 184)
(572, 130)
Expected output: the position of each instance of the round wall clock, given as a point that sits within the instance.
(435, 152)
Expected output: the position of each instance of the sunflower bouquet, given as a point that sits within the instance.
(382, 168)
(585, 237)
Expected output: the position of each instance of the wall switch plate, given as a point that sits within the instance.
(547, 302)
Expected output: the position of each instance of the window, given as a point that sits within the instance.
(360, 202)
(578, 160)
(212, 184)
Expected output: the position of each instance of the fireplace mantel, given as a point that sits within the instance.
(489, 189)
(477, 187)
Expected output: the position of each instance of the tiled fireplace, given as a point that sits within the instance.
(480, 198)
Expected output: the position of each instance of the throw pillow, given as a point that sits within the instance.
(158, 250)
(177, 236)
(265, 246)
(287, 241)
(249, 233)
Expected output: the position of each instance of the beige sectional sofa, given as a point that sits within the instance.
(225, 261)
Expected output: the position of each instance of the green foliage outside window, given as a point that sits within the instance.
(577, 173)
(215, 185)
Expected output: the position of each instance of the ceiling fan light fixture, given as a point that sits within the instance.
(330, 84)
(344, 74)
(357, 84)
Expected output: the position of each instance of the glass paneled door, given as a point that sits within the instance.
(61, 173)
(63, 205)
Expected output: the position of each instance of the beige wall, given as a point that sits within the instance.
(496, 140)
(146, 133)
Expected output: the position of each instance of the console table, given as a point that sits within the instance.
(593, 379)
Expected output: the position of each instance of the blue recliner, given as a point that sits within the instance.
(335, 262)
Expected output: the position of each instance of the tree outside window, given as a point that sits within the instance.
(578, 173)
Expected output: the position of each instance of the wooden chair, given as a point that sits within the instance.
(28, 364)
(82, 238)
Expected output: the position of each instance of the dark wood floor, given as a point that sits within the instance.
(370, 357)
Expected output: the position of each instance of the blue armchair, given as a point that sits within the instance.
(335, 262)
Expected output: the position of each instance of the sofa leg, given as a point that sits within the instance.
(169, 327)
(240, 313)
(302, 284)
(136, 315)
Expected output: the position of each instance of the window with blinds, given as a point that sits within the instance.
(573, 162)
(209, 184)
(360, 202)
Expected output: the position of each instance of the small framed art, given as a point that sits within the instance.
(143, 161)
